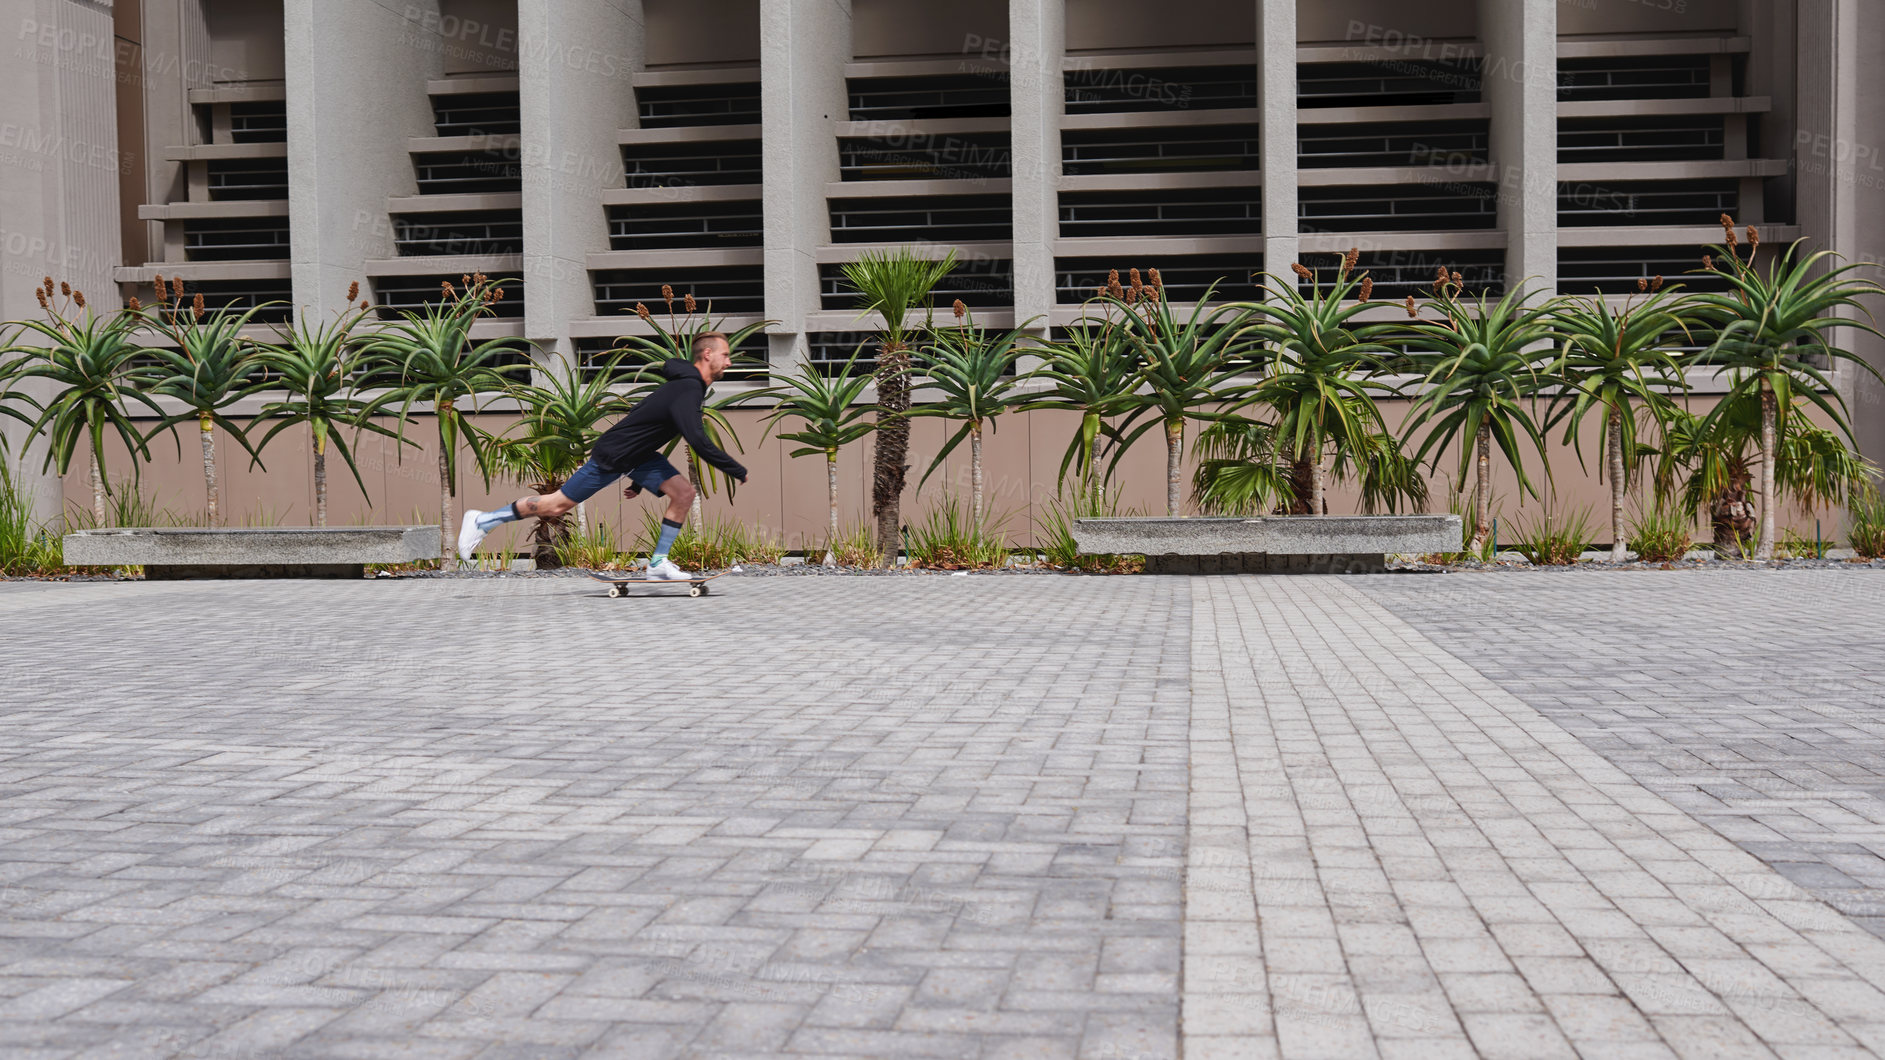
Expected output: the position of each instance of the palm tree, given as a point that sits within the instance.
(1708, 461)
(676, 341)
(972, 372)
(209, 367)
(1091, 371)
(558, 429)
(833, 412)
(1769, 328)
(1481, 369)
(430, 356)
(1313, 373)
(88, 361)
(1182, 365)
(892, 283)
(1614, 359)
(312, 367)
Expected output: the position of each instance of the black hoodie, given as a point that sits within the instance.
(674, 408)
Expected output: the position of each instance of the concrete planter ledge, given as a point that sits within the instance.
(168, 553)
(1324, 544)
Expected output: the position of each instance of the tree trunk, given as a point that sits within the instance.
(975, 471)
(893, 450)
(320, 481)
(98, 489)
(582, 518)
(1731, 518)
(1482, 489)
(445, 490)
(549, 533)
(694, 467)
(831, 497)
(1089, 468)
(1318, 498)
(1770, 414)
(208, 435)
(1174, 461)
(1302, 485)
(1614, 444)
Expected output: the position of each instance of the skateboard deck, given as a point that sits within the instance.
(617, 581)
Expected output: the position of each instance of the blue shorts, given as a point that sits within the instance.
(590, 478)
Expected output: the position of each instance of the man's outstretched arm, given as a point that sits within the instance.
(687, 418)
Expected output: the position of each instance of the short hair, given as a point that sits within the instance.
(699, 346)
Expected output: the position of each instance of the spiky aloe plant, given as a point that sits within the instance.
(311, 366)
(1613, 360)
(1482, 365)
(1182, 366)
(430, 357)
(970, 375)
(1090, 371)
(833, 412)
(1313, 374)
(892, 283)
(88, 361)
(207, 367)
(1769, 327)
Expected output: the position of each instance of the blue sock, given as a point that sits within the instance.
(497, 518)
(669, 531)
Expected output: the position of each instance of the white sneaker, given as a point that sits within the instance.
(666, 571)
(468, 534)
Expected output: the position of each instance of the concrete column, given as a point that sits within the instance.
(1520, 38)
(576, 64)
(1037, 42)
(59, 201)
(356, 84)
(1276, 130)
(803, 46)
(1827, 151)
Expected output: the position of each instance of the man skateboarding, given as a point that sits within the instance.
(632, 447)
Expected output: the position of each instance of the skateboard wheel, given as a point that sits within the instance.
(698, 590)
(615, 591)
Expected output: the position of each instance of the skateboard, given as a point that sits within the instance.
(695, 586)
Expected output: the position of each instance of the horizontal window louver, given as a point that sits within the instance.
(705, 162)
(940, 96)
(262, 122)
(1399, 273)
(236, 239)
(414, 293)
(827, 352)
(1436, 143)
(477, 114)
(466, 172)
(599, 355)
(729, 290)
(677, 106)
(1107, 91)
(1185, 277)
(247, 178)
(1398, 208)
(1662, 138)
(1615, 270)
(1659, 202)
(1633, 77)
(1389, 82)
(275, 296)
(1171, 149)
(1162, 212)
(925, 156)
(934, 218)
(472, 232)
(701, 225)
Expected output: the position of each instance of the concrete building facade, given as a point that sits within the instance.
(274, 151)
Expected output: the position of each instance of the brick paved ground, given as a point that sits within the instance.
(956, 817)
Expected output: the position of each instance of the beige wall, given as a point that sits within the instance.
(1110, 25)
(784, 497)
(681, 32)
(912, 27)
(245, 40)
